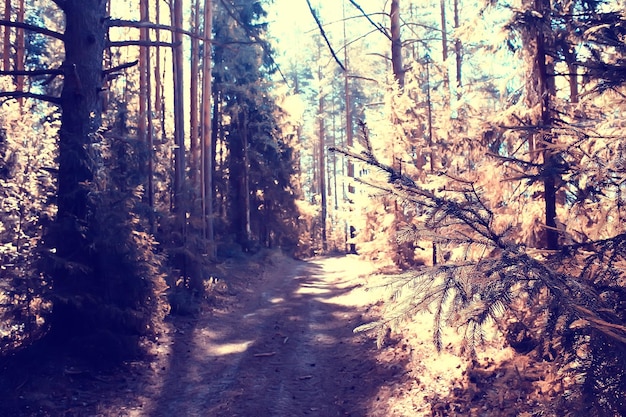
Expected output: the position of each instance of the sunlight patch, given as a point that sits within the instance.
(228, 348)
(311, 289)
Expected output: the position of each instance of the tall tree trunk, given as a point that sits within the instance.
(207, 148)
(20, 48)
(396, 43)
(321, 159)
(179, 116)
(431, 154)
(458, 51)
(239, 179)
(444, 47)
(6, 49)
(73, 273)
(194, 137)
(348, 103)
(144, 69)
(543, 68)
(159, 106)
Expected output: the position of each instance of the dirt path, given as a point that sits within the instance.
(278, 342)
(285, 349)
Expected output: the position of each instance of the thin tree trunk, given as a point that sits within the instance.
(547, 92)
(396, 43)
(444, 47)
(179, 117)
(158, 83)
(6, 49)
(348, 103)
(145, 100)
(458, 51)
(20, 47)
(194, 137)
(321, 159)
(143, 70)
(207, 148)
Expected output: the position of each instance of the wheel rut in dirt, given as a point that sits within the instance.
(286, 349)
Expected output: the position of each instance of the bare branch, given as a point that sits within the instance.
(378, 27)
(28, 94)
(150, 25)
(323, 33)
(114, 44)
(120, 67)
(33, 73)
(33, 28)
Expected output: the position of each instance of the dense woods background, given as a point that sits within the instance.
(475, 145)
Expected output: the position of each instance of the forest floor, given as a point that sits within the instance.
(275, 339)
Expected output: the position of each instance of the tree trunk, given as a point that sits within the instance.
(239, 180)
(73, 274)
(179, 117)
(6, 49)
(542, 91)
(322, 175)
(321, 160)
(458, 51)
(444, 47)
(20, 47)
(348, 103)
(545, 93)
(207, 148)
(144, 91)
(396, 43)
(194, 137)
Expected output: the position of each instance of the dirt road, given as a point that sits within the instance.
(286, 348)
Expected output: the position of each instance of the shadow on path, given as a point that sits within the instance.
(288, 350)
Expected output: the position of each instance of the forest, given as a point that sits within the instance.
(471, 150)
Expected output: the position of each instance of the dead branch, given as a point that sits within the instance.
(33, 28)
(323, 33)
(155, 26)
(33, 73)
(378, 27)
(120, 67)
(117, 44)
(28, 94)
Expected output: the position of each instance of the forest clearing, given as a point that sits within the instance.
(313, 207)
